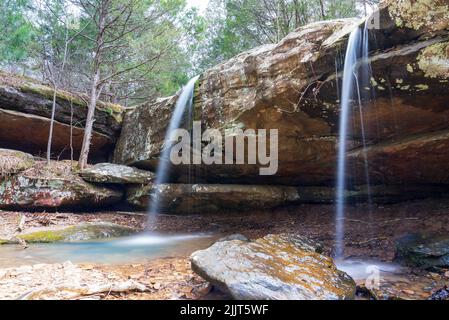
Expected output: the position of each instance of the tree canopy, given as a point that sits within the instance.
(167, 42)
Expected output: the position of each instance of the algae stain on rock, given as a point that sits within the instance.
(434, 60)
(416, 14)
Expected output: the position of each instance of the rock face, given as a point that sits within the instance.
(186, 198)
(53, 187)
(292, 86)
(12, 161)
(425, 251)
(117, 174)
(25, 113)
(272, 267)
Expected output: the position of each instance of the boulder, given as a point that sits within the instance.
(27, 104)
(13, 161)
(82, 232)
(54, 186)
(117, 174)
(184, 198)
(423, 250)
(293, 86)
(273, 267)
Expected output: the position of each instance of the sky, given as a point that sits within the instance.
(200, 4)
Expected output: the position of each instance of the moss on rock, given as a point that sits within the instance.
(81, 232)
(434, 60)
(417, 14)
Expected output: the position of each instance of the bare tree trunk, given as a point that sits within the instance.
(278, 23)
(71, 134)
(55, 81)
(297, 14)
(94, 89)
(89, 121)
(323, 16)
(52, 121)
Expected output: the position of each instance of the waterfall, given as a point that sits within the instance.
(356, 71)
(183, 103)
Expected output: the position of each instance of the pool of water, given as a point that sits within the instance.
(134, 249)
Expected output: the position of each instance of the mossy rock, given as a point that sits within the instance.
(83, 232)
(77, 100)
(54, 186)
(13, 161)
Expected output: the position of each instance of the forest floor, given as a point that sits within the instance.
(369, 233)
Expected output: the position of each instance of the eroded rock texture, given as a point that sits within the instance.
(293, 86)
(281, 267)
(194, 198)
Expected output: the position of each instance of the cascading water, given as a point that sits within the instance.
(356, 63)
(184, 102)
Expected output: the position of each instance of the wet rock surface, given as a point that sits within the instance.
(116, 174)
(272, 267)
(54, 186)
(424, 250)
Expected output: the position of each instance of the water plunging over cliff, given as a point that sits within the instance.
(184, 102)
(356, 75)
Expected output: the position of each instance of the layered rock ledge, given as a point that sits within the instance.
(25, 113)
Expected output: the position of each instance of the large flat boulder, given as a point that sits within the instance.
(293, 86)
(116, 174)
(54, 186)
(27, 104)
(275, 267)
(186, 198)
